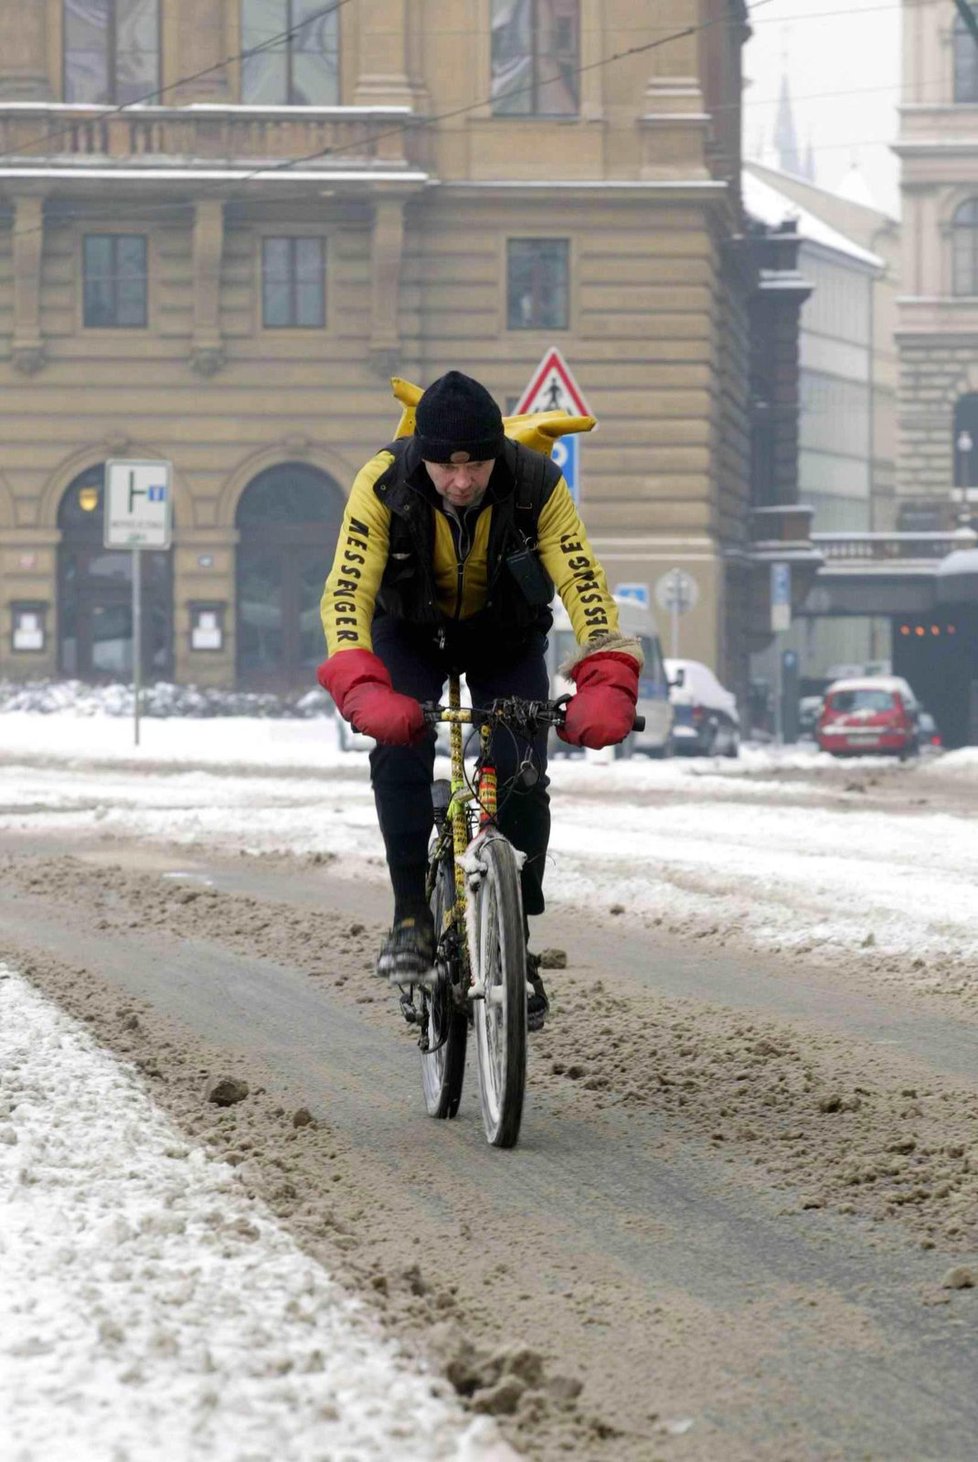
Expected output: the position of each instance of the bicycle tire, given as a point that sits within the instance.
(443, 1067)
(500, 1017)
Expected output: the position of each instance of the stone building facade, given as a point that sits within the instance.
(938, 308)
(219, 262)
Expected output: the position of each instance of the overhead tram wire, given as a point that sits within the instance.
(140, 101)
(412, 124)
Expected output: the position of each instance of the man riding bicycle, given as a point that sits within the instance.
(452, 544)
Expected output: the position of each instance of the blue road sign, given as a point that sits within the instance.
(635, 593)
(566, 454)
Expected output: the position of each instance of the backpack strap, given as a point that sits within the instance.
(536, 477)
(398, 450)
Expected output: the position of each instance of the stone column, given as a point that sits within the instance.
(383, 78)
(27, 348)
(23, 51)
(386, 255)
(207, 352)
(675, 126)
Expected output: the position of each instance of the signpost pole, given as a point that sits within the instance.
(138, 515)
(675, 627)
(137, 637)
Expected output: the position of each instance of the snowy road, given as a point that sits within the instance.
(751, 1155)
(875, 861)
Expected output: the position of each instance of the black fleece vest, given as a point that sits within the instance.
(408, 590)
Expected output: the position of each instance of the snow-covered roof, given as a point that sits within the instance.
(855, 189)
(772, 207)
(871, 682)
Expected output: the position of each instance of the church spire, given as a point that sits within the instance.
(811, 170)
(785, 136)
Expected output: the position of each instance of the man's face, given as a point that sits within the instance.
(461, 484)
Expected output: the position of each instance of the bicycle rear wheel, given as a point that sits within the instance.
(500, 1017)
(446, 1028)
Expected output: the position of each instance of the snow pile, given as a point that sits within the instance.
(162, 699)
(963, 763)
(148, 1310)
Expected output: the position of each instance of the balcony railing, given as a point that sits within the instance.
(330, 137)
(891, 547)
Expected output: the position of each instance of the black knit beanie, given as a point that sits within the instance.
(458, 421)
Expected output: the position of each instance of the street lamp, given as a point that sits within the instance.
(965, 447)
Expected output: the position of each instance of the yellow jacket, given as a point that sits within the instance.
(461, 579)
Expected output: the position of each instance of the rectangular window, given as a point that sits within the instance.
(293, 283)
(535, 58)
(115, 281)
(538, 284)
(965, 63)
(291, 53)
(111, 50)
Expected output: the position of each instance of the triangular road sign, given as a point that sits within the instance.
(553, 388)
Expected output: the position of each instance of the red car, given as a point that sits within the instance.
(877, 714)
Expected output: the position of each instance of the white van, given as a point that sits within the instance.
(653, 687)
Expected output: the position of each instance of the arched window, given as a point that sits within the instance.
(298, 63)
(964, 236)
(535, 58)
(965, 63)
(111, 50)
(289, 519)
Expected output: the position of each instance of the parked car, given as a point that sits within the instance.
(653, 686)
(349, 740)
(873, 713)
(928, 736)
(809, 710)
(705, 717)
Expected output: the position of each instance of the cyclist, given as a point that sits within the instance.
(451, 545)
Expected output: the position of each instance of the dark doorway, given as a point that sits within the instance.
(939, 657)
(95, 595)
(289, 520)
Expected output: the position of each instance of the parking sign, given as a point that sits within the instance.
(138, 504)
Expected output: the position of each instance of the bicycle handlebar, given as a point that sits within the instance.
(512, 711)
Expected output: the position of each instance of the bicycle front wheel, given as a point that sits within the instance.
(500, 1016)
(445, 1027)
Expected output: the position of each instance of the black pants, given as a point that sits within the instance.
(402, 775)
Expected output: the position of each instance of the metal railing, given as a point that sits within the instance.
(888, 547)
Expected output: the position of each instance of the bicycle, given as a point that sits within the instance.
(473, 887)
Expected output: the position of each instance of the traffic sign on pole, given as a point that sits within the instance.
(678, 593)
(138, 515)
(138, 504)
(553, 388)
(780, 597)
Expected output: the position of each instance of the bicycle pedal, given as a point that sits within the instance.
(410, 1012)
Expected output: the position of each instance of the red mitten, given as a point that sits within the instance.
(603, 710)
(360, 684)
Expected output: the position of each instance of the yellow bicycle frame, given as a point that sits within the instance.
(456, 717)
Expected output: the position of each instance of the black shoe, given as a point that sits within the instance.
(537, 1004)
(408, 952)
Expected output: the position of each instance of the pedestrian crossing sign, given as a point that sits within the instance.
(553, 388)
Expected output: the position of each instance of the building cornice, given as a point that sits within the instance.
(161, 174)
(622, 190)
